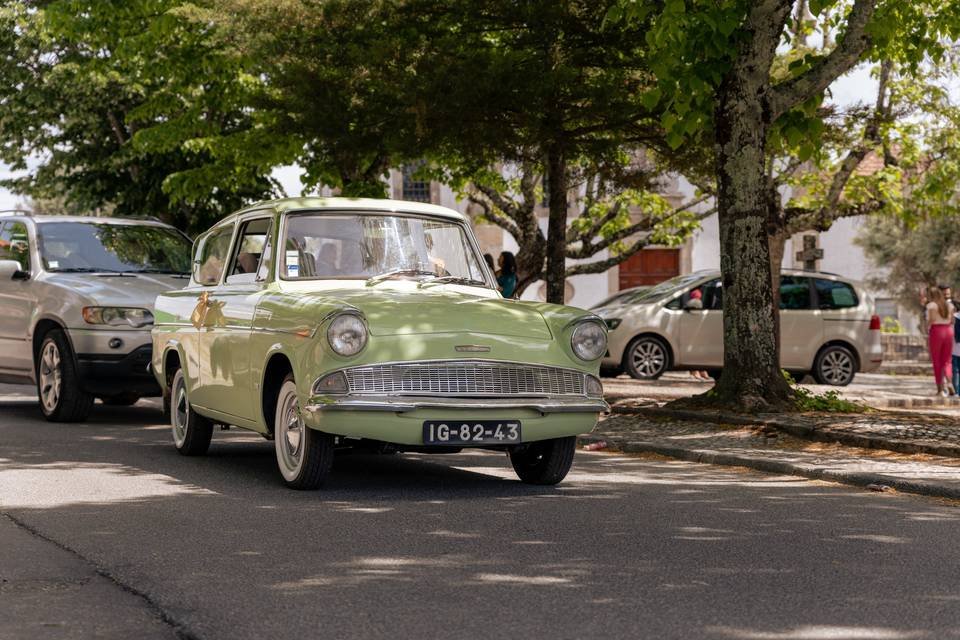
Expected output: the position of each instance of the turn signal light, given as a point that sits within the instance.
(875, 323)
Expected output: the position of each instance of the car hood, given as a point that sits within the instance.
(129, 290)
(434, 311)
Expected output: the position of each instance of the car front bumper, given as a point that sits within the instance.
(399, 419)
(114, 362)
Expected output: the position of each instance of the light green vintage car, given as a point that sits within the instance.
(332, 322)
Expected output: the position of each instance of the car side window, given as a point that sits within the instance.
(835, 295)
(794, 293)
(15, 243)
(249, 250)
(213, 256)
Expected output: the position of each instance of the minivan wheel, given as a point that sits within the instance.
(835, 365)
(58, 384)
(304, 455)
(191, 431)
(647, 358)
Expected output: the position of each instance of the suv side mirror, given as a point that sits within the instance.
(11, 270)
(693, 304)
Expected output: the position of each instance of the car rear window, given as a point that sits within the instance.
(835, 295)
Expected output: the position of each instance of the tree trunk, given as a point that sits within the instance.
(777, 237)
(557, 223)
(751, 369)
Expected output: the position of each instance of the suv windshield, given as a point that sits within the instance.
(370, 245)
(121, 248)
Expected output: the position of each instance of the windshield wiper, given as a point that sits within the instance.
(397, 272)
(450, 279)
(172, 272)
(84, 270)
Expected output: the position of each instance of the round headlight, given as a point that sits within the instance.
(347, 334)
(589, 340)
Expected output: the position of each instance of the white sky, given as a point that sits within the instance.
(857, 86)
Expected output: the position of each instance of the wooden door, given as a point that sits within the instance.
(649, 267)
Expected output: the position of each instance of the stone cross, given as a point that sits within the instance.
(810, 253)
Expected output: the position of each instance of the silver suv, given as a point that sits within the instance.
(76, 306)
(827, 328)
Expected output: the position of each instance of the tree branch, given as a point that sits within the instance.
(790, 93)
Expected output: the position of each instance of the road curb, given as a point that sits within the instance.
(758, 463)
(796, 428)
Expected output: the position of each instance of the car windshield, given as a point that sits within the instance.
(118, 248)
(666, 289)
(376, 247)
(622, 298)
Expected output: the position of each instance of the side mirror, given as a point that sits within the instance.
(693, 305)
(11, 270)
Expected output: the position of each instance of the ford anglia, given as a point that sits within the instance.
(324, 323)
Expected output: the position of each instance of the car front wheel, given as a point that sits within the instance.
(304, 455)
(835, 365)
(647, 358)
(544, 462)
(58, 384)
(191, 431)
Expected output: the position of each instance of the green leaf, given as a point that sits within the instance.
(650, 99)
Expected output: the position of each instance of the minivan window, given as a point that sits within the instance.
(794, 293)
(666, 288)
(835, 295)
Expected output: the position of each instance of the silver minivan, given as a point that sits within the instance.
(827, 326)
(76, 306)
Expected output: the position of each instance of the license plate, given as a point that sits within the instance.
(463, 432)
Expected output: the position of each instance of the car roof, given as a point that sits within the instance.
(285, 205)
(41, 218)
(826, 275)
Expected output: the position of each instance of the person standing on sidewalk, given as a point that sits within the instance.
(955, 361)
(507, 276)
(940, 328)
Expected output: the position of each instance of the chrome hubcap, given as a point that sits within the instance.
(290, 438)
(50, 376)
(179, 411)
(836, 367)
(648, 358)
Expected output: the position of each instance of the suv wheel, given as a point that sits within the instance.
(835, 365)
(58, 385)
(646, 358)
(191, 431)
(304, 455)
(544, 462)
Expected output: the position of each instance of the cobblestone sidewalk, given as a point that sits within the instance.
(900, 431)
(765, 448)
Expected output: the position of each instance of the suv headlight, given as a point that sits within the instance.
(118, 316)
(347, 334)
(589, 340)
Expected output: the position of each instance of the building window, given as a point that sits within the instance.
(414, 189)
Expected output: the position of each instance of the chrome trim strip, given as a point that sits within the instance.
(407, 404)
(384, 380)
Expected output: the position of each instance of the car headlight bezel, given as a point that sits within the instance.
(589, 340)
(347, 334)
(135, 317)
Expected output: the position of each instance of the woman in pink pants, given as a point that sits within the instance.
(940, 322)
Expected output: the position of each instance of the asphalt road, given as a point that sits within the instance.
(413, 546)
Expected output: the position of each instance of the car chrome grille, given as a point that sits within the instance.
(465, 378)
